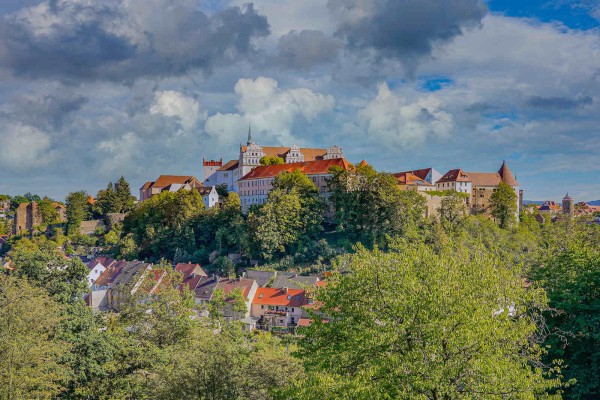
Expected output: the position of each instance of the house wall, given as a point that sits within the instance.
(291, 314)
(98, 299)
(95, 273)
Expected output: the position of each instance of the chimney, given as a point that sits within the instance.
(284, 290)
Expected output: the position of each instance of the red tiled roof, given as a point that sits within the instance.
(109, 275)
(146, 185)
(229, 285)
(277, 297)
(192, 273)
(454, 175)
(307, 167)
(305, 322)
(104, 261)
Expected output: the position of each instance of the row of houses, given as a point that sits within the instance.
(274, 301)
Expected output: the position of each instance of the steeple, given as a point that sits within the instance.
(249, 136)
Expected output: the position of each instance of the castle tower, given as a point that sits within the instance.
(568, 205)
(210, 168)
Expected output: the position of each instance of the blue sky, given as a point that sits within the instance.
(92, 90)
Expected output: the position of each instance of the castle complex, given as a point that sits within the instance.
(216, 173)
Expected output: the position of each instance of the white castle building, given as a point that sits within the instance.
(217, 173)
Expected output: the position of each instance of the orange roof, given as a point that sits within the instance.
(408, 178)
(305, 322)
(146, 185)
(278, 297)
(454, 175)
(307, 167)
(229, 285)
(91, 200)
(309, 154)
(166, 180)
(233, 164)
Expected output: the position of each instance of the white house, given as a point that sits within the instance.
(96, 267)
(279, 308)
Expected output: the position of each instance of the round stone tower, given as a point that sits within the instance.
(568, 205)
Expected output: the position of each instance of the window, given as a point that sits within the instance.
(289, 297)
(292, 309)
(225, 175)
(262, 307)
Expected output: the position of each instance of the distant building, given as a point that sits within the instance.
(27, 216)
(480, 186)
(278, 308)
(254, 187)
(568, 205)
(210, 197)
(216, 173)
(171, 183)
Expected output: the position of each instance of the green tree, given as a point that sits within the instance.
(503, 205)
(369, 206)
(125, 200)
(413, 323)
(49, 213)
(30, 348)
(106, 201)
(77, 211)
(271, 160)
(453, 209)
(572, 280)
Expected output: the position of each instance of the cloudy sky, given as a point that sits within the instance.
(94, 89)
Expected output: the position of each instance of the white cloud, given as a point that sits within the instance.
(24, 147)
(174, 104)
(398, 121)
(121, 153)
(269, 110)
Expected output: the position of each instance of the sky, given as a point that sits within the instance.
(94, 89)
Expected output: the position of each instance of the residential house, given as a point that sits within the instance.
(210, 197)
(98, 296)
(278, 309)
(168, 183)
(247, 287)
(262, 278)
(127, 282)
(294, 281)
(96, 267)
(191, 275)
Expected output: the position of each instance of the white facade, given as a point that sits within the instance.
(95, 272)
(279, 315)
(462, 187)
(211, 199)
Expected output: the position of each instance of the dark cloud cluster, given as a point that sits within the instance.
(404, 29)
(121, 41)
(306, 49)
(559, 103)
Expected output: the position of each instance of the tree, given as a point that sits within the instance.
(106, 201)
(277, 225)
(271, 160)
(503, 205)
(125, 201)
(162, 223)
(77, 211)
(30, 348)
(453, 208)
(572, 280)
(413, 323)
(369, 206)
(49, 213)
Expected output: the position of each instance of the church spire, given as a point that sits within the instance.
(249, 136)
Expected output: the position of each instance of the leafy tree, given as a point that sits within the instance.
(503, 205)
(30, 348)
(159, 225)
(572, 280)
(413, 323)
(277, 225)
(49, 213)
(26, 198)
(453, 209)
(77, 211)
(369, 206)
(271, 160)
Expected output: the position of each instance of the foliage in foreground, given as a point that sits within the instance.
(417, 324)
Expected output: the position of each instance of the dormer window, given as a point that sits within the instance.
(289, 297)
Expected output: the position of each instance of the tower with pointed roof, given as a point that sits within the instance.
(568, 205)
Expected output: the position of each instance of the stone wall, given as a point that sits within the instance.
(89, 227)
